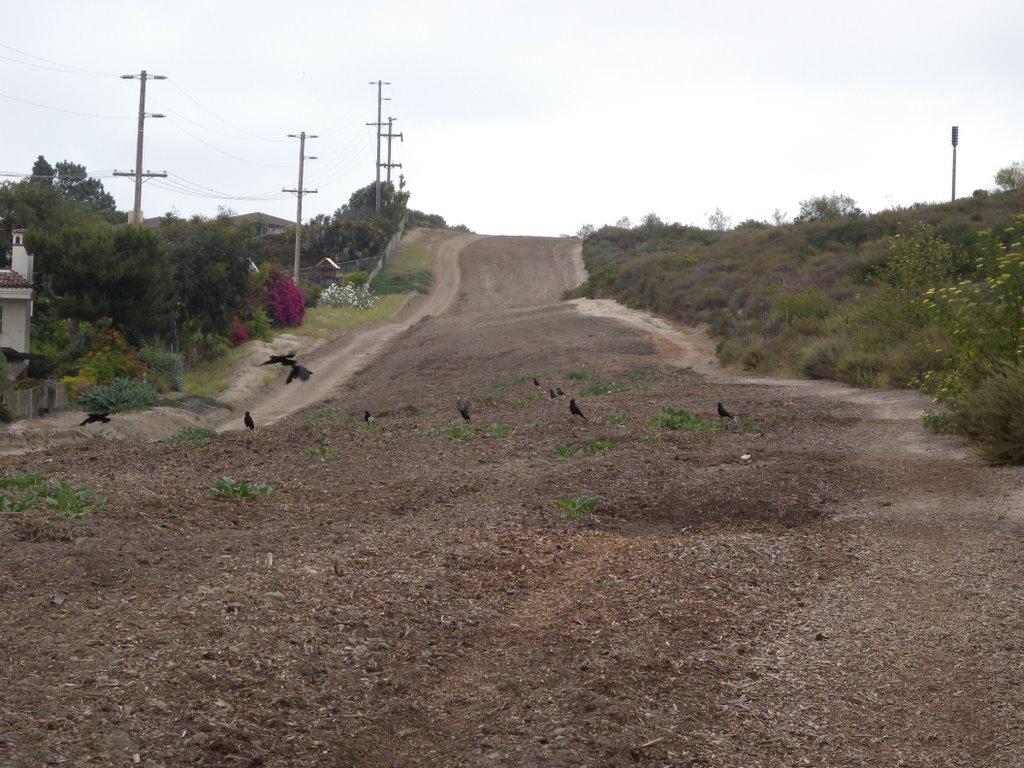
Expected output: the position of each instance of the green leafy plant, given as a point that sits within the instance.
(679, 419)
(578, 509)
(20, 492)
(499, 430)
(119, 395)
(230, 489)
(198, 436)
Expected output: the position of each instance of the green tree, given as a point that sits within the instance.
(100, 272)
(827, 207)
(211, 266)
(73, 183)
(1010, 177)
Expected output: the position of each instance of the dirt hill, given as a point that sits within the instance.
(818, 583)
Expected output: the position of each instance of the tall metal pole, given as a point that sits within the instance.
(138, 174)
(380, 98)
(956, 140)
(299, 192)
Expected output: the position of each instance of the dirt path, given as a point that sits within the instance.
(820, 584)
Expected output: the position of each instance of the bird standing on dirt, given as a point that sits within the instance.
(559, 391)
(463, 409)
(551, 394)
(367, 416)
(92, 418)
(536, 383)
(575, 409)
(722, 413)
(288, 359)
(298, 372)
(249, 423)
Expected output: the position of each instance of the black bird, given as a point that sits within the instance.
(559, 391)
(92, 418)
(298, 372)
(249, 423)
(463, 409)
(367, 416)
(536, 383)
(722, 413)
(551, 394)
(288, 359)
(575, 409)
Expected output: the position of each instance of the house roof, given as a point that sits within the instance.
(11, 279)
(264, 218)
(327, 262)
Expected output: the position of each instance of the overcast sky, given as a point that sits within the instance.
(531, 117)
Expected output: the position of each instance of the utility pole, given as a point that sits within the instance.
(137, 173)
(389, 165)
(299, 192)
(380, 98)
(956, 140)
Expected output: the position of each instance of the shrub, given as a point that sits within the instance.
(259, 325)
(356, 278)
(110, 358)
(348, 295)
(819, 358)
(286, 301)
(119, 395)
(164, 369)
(992, 416)
(239, 332)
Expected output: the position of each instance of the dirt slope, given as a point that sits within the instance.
(821, 584)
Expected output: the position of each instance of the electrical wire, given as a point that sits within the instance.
(65, 68)
(66, 111)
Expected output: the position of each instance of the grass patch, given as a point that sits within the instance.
(21, 492)
(388, 284)
(579, 375)
(238, 491)
(211, 377)
(591, 448)
(499, 430)
(198, 436)
(454, 432)
(330, 322)
(619, 418)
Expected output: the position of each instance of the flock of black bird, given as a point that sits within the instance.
(302, 373)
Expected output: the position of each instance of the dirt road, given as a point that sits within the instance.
(821, 583)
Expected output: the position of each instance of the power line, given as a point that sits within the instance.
(65, 111)
(65, 68)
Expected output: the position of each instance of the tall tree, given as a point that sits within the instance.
(73, 183)
(211, 260)
(101, 272)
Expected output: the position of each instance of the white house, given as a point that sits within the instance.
(16, 307)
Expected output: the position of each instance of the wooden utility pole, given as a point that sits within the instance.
(389, 165)
(380, 99)
(137, 173)
(299, 192)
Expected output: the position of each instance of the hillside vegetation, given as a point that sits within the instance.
(928, 296)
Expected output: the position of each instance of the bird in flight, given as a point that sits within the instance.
(249, 423)
(298, 372)
(722, 413)
(463, 408)
(288, 359)
(575, 409)
(92, 418)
